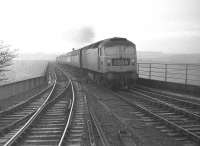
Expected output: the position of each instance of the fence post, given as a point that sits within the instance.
(186, 74)
(165, 72)
(149, 70)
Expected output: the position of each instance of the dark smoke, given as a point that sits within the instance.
(81, 36)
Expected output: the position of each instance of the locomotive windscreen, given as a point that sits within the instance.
(120, 51)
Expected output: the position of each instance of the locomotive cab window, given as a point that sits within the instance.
(100, 51)
(118, 50)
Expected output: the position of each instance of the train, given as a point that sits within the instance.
(112, 61)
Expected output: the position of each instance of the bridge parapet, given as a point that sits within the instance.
(15, 88)
(22, 86)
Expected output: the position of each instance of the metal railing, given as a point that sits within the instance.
(179, 73)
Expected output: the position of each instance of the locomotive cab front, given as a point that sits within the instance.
(120, 64)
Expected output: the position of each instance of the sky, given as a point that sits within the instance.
(57, 26)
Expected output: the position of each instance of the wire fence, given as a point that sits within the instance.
(188, 74)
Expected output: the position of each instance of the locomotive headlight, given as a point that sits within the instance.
(109, 62)
(132, 61)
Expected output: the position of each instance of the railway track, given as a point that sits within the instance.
(20, 112)
(187, 104)
(84, 123)
(97, 136)
(16, 116)
(175, 121)
(62, 118)
(184, 97)
(167, 120)
(49, 116)
(175, 117)
(110, 124)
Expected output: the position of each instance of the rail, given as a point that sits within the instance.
(97, 125)
(19, 133)
(166, 121)
(103, 138)
(16, 106)
(188, 74)
(69, 117)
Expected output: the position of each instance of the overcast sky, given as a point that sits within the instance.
(51, 26)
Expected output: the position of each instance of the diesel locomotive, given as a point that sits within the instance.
(112, 61)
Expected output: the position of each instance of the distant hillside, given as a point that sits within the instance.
(159, 57)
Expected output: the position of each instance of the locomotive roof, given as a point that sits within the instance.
(109, 42)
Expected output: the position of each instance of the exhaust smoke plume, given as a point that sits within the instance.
(80, 36)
